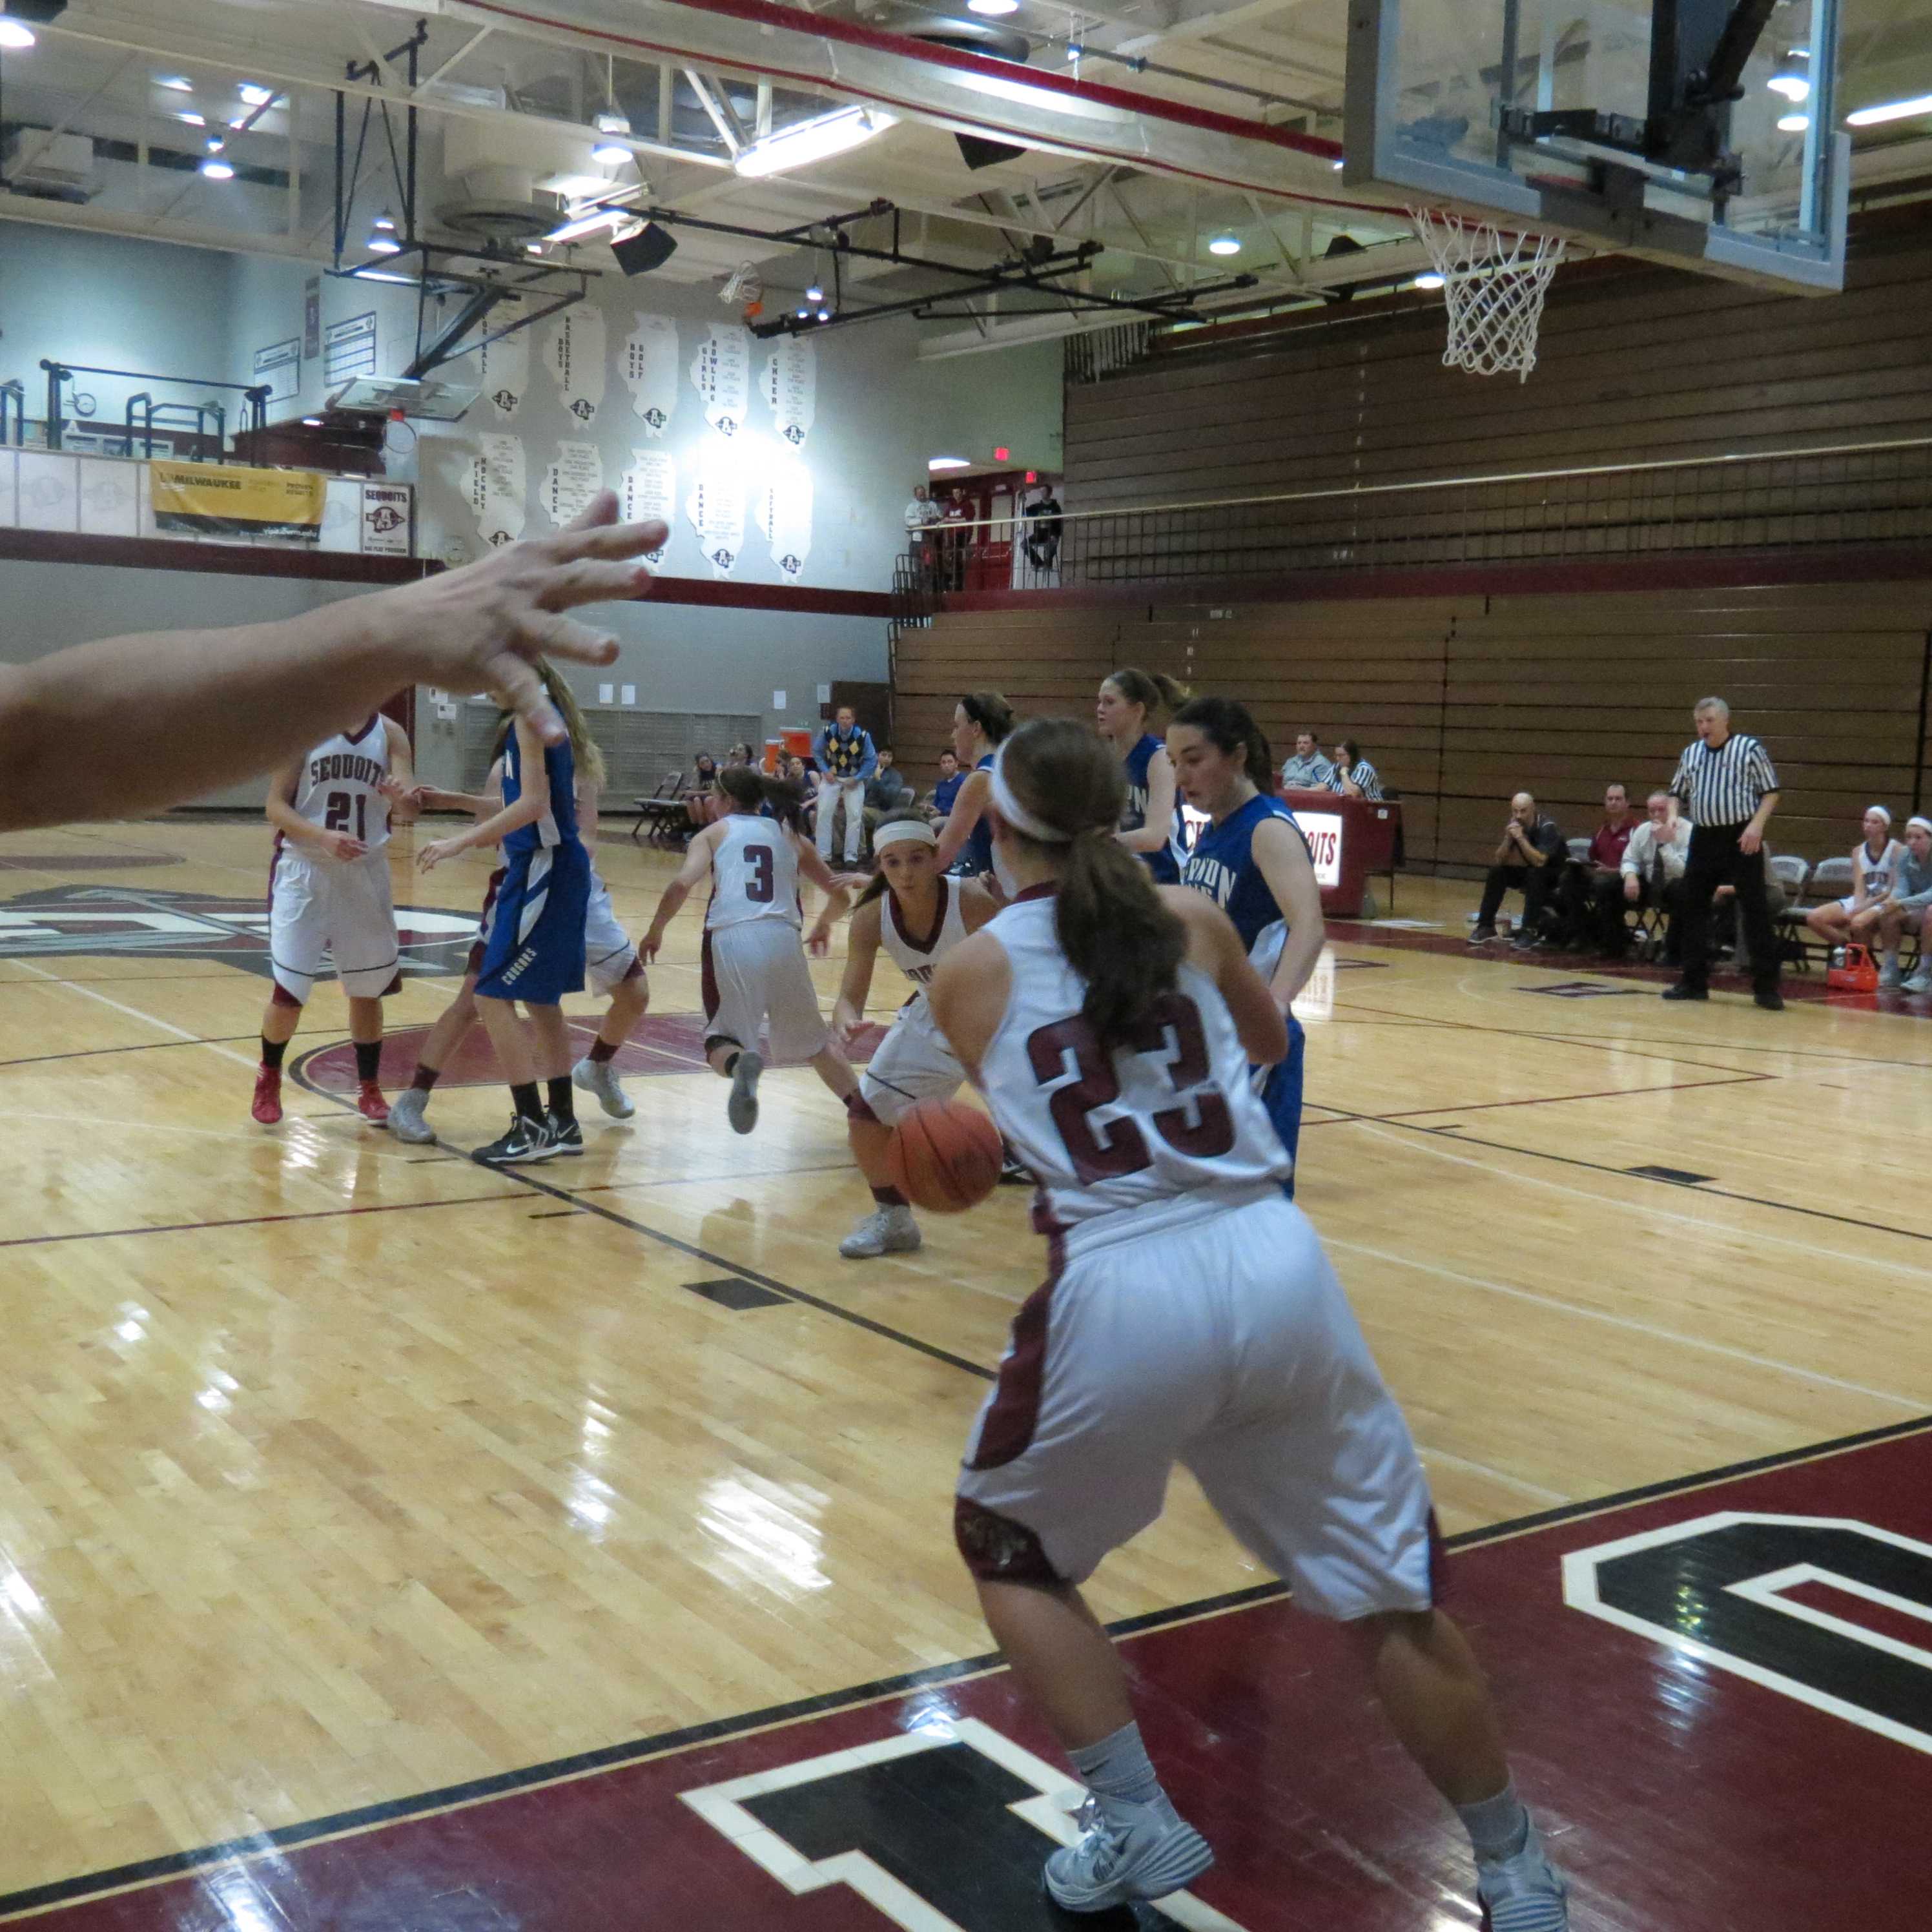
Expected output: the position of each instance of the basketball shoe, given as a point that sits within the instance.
(566, 1136)
(600, 1077)
(888, 1231)
(369, 1103)
(1127, 1852)
(406, 1118)
(267, 1106)
(1524, 1893)
(525, 1141)
(741, 1109)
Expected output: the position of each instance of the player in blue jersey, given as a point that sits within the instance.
(534, 953)
(980, 721)
(1253, 862)
(1129, 702)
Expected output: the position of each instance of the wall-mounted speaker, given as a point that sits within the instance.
(651, 247)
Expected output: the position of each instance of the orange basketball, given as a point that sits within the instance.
(943, 1156)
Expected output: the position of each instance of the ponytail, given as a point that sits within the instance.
(1153, 692)
(990, 712)
(1109, 917)
(746, 785)
(1230, 728)
(585, 756)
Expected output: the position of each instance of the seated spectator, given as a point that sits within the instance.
(1652, 867)
(1353, 776)
(939, 800)
(1308, 769)
(887, 791)
(1529, 860)
(1873, 863)
(738, 754)
(1907, 911)
(1590, 891)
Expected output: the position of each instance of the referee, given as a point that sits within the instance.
(1725, 785)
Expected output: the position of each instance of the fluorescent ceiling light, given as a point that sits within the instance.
(218, 170)
(993, 10)
(948, 462)
(1793, 124)
(383, 275)
(1430, 280)
(176, 83)
(1890, 110)
(311, 422)
(1225, 245)
(193, 120)
(1026, 95)
(588, 224)
(610, 153)
(16, 34)
(255, 96)
(1793, 86)
(816, 140)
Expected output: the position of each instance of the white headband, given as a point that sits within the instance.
(1880, 810)
(901, 831)
(1923, 824)
(1016, 814)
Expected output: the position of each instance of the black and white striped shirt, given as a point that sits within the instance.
(1723, 785)
(1364, 774)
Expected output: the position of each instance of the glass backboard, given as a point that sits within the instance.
(1584, 117)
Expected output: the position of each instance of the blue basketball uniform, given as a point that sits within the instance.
(1222, 865)
(1133, 814)
(977, 858)
(536, 948)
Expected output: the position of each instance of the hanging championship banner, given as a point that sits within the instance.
(650, 367)
(225, 499)
(783, 507)
(572, 480)
(716, 508)
(573, 352)
(791, 387)
(503, 367)
(493, 480)
(649, 489)
(721, 373)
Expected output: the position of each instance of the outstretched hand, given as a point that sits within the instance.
(481, 627)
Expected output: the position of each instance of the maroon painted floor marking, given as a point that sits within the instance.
(1680, 1796)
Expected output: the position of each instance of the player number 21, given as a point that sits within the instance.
(337, 815)
(1171, 1026)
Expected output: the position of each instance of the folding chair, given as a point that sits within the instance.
(664, 805)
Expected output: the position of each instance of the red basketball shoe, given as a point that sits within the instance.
(369, 1103)
(267, 1107)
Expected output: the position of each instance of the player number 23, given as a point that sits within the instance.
(1171, 1026)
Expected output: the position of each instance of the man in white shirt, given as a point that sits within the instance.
(921, 514)
(1653, 866)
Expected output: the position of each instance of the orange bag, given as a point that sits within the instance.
(1852, 970)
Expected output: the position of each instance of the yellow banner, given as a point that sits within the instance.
(226, 498)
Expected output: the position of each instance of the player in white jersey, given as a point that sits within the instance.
(612, 964)
(1191, 1316)
(919, 914)
(329, 897)
(754, 969)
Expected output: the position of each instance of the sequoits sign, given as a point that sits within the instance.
(136, 923)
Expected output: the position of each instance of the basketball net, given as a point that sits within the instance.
(1493, 285)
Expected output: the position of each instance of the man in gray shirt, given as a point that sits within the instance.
(1908, 909)
(1308, 769)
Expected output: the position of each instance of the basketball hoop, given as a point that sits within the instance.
(1493, 285)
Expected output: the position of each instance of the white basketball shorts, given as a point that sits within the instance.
(913, 1063)
(324, 910)
(610, 954)
(1215, 1337)
(755, 972)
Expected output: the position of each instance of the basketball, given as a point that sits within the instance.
(944, 1156)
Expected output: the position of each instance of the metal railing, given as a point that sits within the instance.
(1848, 494)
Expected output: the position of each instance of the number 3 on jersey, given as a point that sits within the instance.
(1172, 1027)
(758, 886)
(336, 813)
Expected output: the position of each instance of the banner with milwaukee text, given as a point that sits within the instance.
(226, 500)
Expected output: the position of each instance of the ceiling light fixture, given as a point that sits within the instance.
(947, 463)
(175, 83)
(16, 35)
(993, 10)
(580, 225)
(214, 144)
(1890, 110)
(610, 152)
(311, 422)
(217, 170)
(253, 95)
(1225, 245)
(816, 140)
(193, 120)
(1793, 124)
(825, 315)
(1430, 280)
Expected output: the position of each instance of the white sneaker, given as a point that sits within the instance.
(1920, 982)
(741, 1107)
(406, 1116)
(1891, 973)
(600, 1077)
(1125, 1852)
(1524, 1893)
(889, 1231)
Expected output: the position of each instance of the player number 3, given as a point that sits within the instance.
(1172, 1026)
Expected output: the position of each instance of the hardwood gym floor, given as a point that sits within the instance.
(334, 1471)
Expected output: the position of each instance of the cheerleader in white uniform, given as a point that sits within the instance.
(918, 914)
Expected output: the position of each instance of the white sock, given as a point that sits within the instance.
(1499, 1827)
